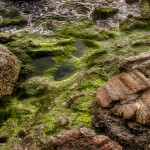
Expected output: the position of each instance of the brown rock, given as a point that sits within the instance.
(9, 71)
(23, 132)
(80, 139)
(123, 109)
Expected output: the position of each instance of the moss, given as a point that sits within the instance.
(65, 42)
(86, 33)
(145, 9)
(104, 12)
(135, 23)
(33, 87)
(4, 37)
(141, 22)
(91, 43)
(27, 49)
(12, 18)
(40, 101)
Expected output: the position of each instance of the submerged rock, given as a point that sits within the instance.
(9, 71)
(123, 109)
(80, 139)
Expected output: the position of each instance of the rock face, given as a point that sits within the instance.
(123, 109)
(9, 71)
(80, 139)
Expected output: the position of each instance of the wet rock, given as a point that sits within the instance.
(9, 71)
(122, 109)
(104, 12)
(80, 139)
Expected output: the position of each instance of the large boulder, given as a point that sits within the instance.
(80, 139)
(122, 109)
(9, 71)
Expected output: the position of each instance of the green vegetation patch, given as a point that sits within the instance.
(11, 18)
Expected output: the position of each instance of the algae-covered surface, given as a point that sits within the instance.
(62, 66)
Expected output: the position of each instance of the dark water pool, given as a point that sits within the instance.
(41, 65)
(66, 70)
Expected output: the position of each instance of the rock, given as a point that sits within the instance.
(131, 1)
(9, 71)
(141, 62)
(62, 121)
(104, 12)
(122, 109)
(80, 139)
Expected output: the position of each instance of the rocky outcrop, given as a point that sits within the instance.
(80, 139)
(123, 109)
(9, 71)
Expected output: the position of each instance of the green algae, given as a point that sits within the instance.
(12, 18)
(40, 101)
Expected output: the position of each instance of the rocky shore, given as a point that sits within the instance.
(75, 75)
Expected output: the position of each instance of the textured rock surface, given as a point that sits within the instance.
(9, 71)
(80, 139)
(141, 62)
(128, 97)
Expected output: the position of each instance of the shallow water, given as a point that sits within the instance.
(65, 71)
(80, 48)
(41, 65)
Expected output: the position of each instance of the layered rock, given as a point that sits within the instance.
(80, 139)
(123, 109)
(9, 71)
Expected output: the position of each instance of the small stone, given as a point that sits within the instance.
(23, 132)
(62, 121)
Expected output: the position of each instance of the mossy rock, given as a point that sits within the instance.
(104, 12)
(135, 23)
(145, 9)
(12, 18)
(4, 37)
